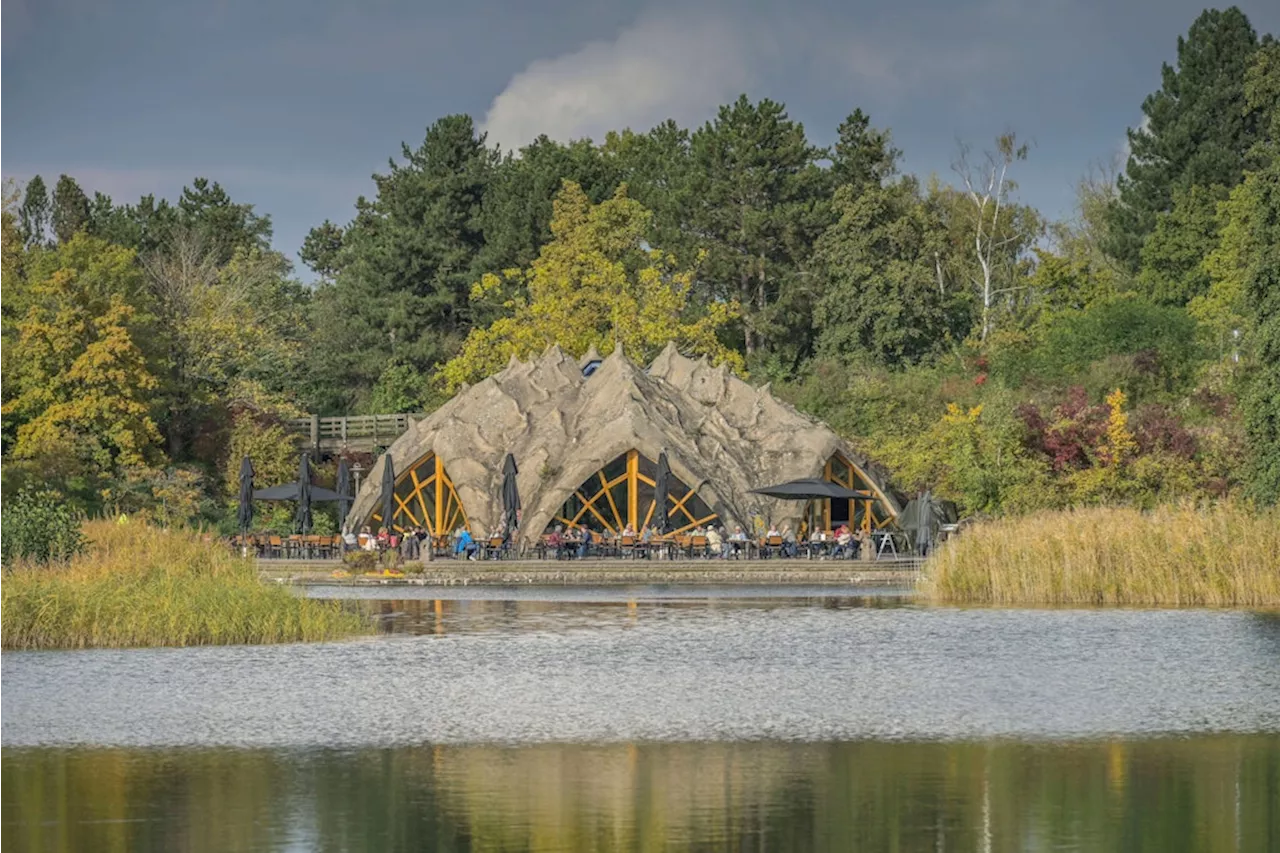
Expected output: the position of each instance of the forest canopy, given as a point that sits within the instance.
(1129, 354)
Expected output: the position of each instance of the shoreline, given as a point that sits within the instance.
(693, 573)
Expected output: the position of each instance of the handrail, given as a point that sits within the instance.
(344, 427)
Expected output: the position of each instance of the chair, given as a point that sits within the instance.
(773, 546)
(628, 546)
(698, 547)
(275, 546)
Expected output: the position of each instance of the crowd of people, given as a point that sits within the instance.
(711, 541)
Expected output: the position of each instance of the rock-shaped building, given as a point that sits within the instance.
(586, 434)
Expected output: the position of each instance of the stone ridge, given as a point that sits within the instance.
(721, 435)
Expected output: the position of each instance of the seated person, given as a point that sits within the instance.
(466, 545)
(715, 544)
(367, 540)
(629, 531)
(383, 538)
(349, 540)
(738, 541)
(555, 541)
(844, 542)
(788, 542)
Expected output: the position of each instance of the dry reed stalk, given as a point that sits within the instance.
(1223, 554)
(139, 585)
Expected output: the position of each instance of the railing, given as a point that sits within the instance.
(355, 431)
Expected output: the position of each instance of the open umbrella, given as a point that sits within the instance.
(808, 490)
(291, 492)
(344, 492)
(510, 495)
(304, 494)
(661, 485)
(388, 491)
(244, 515)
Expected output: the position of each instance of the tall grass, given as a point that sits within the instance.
(139, 585)
(1224, 554)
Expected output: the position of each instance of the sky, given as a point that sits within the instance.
(293, 105)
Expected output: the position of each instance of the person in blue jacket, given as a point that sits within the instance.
(466, 545)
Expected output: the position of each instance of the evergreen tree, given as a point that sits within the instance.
(1196, 129)
(70, 209)
(34, 214)
(760, 202)
(403, 276)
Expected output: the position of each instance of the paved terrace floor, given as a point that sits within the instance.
(447, 572)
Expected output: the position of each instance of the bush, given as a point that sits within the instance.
(1160, 341)
(40, 527)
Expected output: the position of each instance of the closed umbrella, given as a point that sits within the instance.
(510, 495)
(388, 491)
(304, 494)
(344, 493)
(244, 515)
(661, 485)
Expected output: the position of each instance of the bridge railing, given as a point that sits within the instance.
(363, 430)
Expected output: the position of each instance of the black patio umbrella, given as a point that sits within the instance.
(661, 485)
(344, 492)
(244, 515)
(290, 492)
(801, 490)
(304, 494)
(388, 491)
(510, 495)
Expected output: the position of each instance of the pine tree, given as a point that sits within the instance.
(1196, 129)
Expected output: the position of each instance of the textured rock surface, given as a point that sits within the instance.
(722, 437)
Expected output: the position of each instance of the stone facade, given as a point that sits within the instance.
(722, 437)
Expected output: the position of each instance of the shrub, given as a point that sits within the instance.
(40, 527)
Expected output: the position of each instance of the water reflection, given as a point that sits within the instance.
(1204, 794)
(438, 616)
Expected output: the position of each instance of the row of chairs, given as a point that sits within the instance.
(290, 547)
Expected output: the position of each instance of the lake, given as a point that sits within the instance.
(660, 718)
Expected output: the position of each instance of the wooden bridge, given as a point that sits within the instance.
(363, 433)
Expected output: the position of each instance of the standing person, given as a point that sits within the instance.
(585, 547)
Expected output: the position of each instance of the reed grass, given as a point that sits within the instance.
(139, 585)
(1221, 555)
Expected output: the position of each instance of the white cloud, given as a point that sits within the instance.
(668, 64)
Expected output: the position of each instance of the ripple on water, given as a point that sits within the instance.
(706, 672)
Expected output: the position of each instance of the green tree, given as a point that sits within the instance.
(34, 215)
(224, 227)
(1254, 224)
(878, 263)
(761, 202)
(40, 527)
(405, 269)
(321, 249)
(1196, 130)
(70, 213)
(863, 156)
(1173, 271)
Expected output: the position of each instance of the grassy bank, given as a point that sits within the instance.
(1224, 555)
(138, 585)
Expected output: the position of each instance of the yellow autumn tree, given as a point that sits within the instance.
(596, 283)
(77, 385)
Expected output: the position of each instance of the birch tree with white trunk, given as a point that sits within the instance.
(987, 185)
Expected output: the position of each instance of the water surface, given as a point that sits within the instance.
(598, 721)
